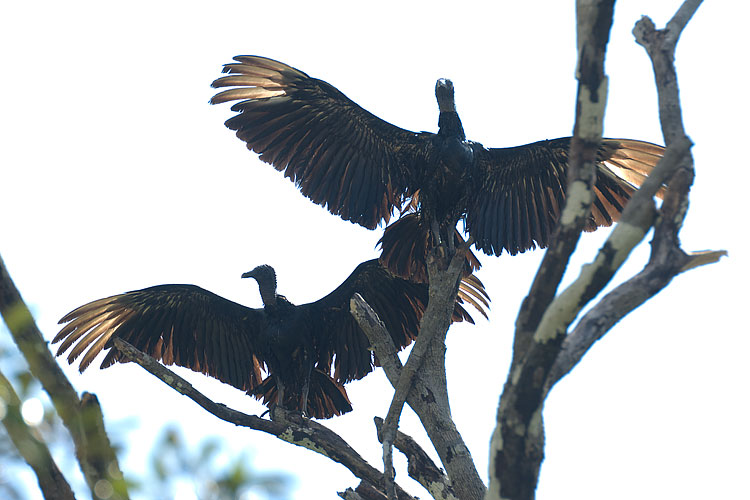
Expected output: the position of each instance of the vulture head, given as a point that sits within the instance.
(266, 278)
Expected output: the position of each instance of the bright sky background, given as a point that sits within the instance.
(116, 174)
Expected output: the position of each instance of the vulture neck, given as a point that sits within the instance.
(267, 292)
(449, 125)
(265, 276)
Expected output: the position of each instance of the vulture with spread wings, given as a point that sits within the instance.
(297, 346)
(362, 168)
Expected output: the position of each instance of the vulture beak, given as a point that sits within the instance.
(444, 82)
(264, 272)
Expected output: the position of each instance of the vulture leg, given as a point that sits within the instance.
(305, 392)
(279, 392)
(306, 387)
(435, 231)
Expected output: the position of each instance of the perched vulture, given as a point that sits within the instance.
(297, 346)
(362, 168)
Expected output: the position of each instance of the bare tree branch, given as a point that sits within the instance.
(635, 222)
(517, 445)
(595, 19)
(427, 400)
(95, 457)
(287, 426)
(612, 308)
(660, 46)
(539, 362)
(421, 468)
(31, 447)
(435, 322)
(634, 292)
(680, 19)
(444, 268)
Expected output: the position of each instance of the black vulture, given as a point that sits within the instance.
(297, 346)
(362, 168)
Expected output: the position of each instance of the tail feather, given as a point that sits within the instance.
(405, 245)
(326, 398)
(476, 296)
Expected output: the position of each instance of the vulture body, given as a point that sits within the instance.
(297, 346)
(362, 168)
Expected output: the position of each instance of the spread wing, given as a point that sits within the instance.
(183, 325)
(338, 154)
(522, 190)
(398, 303)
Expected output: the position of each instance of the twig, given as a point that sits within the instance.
(96, 464)
(31, 447)
(287, 426)
(702, 258)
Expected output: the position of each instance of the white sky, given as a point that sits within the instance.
(116, 174)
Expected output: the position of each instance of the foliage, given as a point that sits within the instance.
(206, 469)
